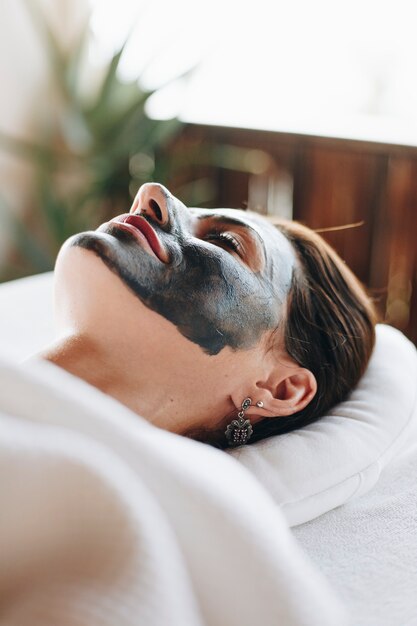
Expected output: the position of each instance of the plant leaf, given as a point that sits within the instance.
(24, 242)
(26, 149)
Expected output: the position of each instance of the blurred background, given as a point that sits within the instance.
(305, 110)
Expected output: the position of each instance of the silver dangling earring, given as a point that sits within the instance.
(239, 431)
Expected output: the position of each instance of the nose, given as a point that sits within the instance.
(153, 200)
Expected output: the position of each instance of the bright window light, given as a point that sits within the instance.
(326, 67)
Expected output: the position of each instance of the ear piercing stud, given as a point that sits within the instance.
(259, 404)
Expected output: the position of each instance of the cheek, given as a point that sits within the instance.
(234, 305)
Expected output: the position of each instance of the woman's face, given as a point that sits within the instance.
(220, 276)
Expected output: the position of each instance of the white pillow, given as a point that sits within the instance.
(323, 465)
(308, 471)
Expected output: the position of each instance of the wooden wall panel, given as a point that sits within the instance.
(401, 249)
(334, 188)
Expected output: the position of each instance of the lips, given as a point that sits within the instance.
(144, 230)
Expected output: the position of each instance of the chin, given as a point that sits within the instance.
(83, 286)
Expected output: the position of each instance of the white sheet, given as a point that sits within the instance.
(108, 520)
(368, 547)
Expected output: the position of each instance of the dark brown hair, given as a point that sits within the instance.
(329, 327)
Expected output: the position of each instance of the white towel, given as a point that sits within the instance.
(107, 520)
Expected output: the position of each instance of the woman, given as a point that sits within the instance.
(214, 324)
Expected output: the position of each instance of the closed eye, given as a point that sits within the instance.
(234, 235)
(224, 238)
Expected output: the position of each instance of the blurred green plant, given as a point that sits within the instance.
(93, 152)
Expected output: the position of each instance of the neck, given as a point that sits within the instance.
(120, 376)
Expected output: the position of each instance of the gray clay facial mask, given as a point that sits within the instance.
(216, 295)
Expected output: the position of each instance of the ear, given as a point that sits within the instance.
(284, 396)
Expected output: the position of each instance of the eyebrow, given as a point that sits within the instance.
(235, 222)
